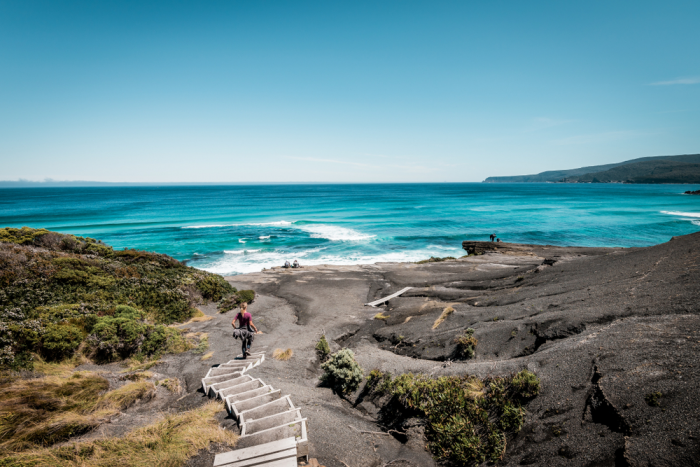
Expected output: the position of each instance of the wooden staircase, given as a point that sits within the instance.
(273, 432)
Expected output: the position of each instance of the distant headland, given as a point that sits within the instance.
(659, 169)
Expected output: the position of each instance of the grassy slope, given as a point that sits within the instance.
(660, 171)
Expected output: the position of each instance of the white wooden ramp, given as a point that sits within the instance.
(386, 299)
(273, 432)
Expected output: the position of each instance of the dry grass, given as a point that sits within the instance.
(169, 442)
(44, 411)
(443, 316)
(408, 319)
(207, 356)
(138, 376)
(135, 365)
(381, 316)
(125, 396)
(283, 355)
(171, 384)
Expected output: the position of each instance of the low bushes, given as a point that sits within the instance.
(323, 348)
(466, 344)
(56, 290)
(468, 419)
(234, 300)
(342, 372)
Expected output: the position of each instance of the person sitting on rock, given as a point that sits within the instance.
(246, 329)
(296, 264)
(498, 240)
(287, 265)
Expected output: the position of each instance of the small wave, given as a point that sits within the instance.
(212, 226)
(263, 237)
(241, 240)
(695, 222)
(333, 232)
(240, 252)
(683, 214)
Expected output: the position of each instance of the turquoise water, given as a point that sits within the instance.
(237, 229)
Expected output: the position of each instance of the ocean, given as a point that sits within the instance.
(237, 229)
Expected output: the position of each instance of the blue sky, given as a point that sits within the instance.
(342, 91)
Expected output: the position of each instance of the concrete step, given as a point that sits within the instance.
(227, 389)
(253, 426)
(242, 396)
(259, 455)
(283, 404)
(206, 382)
(218, 371)
(216, 388)
(252, 355)
(296, 429)
(237, 407)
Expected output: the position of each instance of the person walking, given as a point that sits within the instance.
(246, 329)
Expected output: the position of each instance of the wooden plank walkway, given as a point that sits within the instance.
(382, 300)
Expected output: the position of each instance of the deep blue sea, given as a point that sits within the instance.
(244, 228)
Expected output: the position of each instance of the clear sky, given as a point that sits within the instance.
(342, 91)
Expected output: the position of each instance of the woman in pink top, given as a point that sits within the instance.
(246, 329)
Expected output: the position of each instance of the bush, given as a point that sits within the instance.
(467, 419)
(60, 341)
(235, 300)
(342, 371)
(466, 344)
(215, 287)
(323, 348)
(124, 311)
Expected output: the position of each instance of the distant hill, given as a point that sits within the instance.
(658, 169)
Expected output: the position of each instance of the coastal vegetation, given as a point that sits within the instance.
(466, 344)
(61, 294)
(323, 348)
(468, 419)
(342, 372)
(284, 355)
(235, 299)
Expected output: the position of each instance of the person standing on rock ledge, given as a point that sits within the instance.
(492, 237)
(246, 329)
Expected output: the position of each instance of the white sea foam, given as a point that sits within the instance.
(683, 214)
(241, 240)
(333, 232)
(234, 252)
(256, 261)
(263, 237)
(695, 222)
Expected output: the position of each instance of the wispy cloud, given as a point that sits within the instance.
(693, 80)
(334, 161)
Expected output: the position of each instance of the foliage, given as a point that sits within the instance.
(58, 290)
(467, 419)
(60, 341)
(466, 344)
(323, 348)
(234, 300)
(170, 442)
(214, 287)
(342, 371)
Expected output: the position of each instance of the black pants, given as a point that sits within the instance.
(244, 346)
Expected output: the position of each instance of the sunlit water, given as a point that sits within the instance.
(238, 229)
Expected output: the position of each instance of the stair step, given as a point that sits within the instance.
(258, 454)
(280, 405)
(253, 426)
(237, 407)
(242, 396)
(216, 388)
(218, 371)
(228, 389)
(208, 381)
(295, 429)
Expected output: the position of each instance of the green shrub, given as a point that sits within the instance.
(653, 399)
(234, 300)
(466, 344)
(467, 419)
(124, 311)
(342, 371)
(246, 296)
(214, 287)
(323, 348)
(527, 384)
(61, 341)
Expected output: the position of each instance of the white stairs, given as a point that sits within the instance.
(273, 432)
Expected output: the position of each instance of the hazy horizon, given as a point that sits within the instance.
(316, 92)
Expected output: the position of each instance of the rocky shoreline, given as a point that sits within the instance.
(612, 334)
